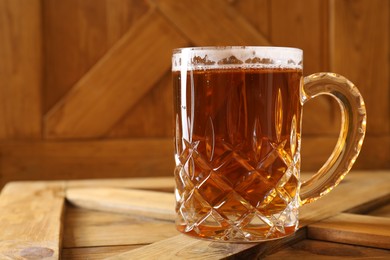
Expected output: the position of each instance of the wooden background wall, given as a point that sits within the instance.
(85, 87)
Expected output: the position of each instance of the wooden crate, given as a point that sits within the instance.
(133, 219)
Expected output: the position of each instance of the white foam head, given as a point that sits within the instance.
(199, 58)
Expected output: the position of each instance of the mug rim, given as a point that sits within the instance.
(209, 57)
(237, 47)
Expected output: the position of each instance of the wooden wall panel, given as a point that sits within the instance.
(257, 12)
(304, 24)
(78, 33)
(360, 50)
(85, 85)
(211, 23)
(20, 69)
(301, 24)
(152, 116)
(90, 159)
(103, 96)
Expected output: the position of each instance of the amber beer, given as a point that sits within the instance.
(237, 114)
(241, 143)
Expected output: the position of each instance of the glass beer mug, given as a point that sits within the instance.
(238, 114)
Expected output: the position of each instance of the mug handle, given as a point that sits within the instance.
(349, 143)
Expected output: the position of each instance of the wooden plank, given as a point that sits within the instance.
(383, 211)
(320, 250)
(120, 200)
(185, 247)
(116, 82)
(374, 155)
(151, 116)
(353, 229)
(77, 34)
(327, 206)
(86, 228)
(370, 208)
(197, 21)
(360, 47)
(151, 183)
(30, 220)
(95, 253)
(92, 159)
(257, 12)
(356, 189)
(159, 205)
(20, 69)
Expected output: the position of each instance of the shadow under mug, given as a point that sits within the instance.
(238, 114)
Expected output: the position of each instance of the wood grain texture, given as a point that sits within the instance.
(159, 205)
(151, 183)
(183, 247)
(359, 50)
(95, 253)
(319, 250)
(77, 34)
(369, 190)
(353, 229)
(20, 70)
(203, 26)
(76, 160)
(302, 26)
(86, 228)
(31, 220)
(383, 211)
(116, 82)
(257, 12)
(328, 206)
(143, 157)
(151, 116)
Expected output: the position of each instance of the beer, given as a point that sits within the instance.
(237, 151)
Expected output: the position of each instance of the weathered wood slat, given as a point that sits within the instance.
(227, 27)
(95, 253)
(184, 247)
(127, 71)
(31, 220)
(357, 188)
(320, 250)
(151, 183)
(353, 229)
(87, 228)
(327, 206)
(159, 205)
(383, 211)
(20, 69)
